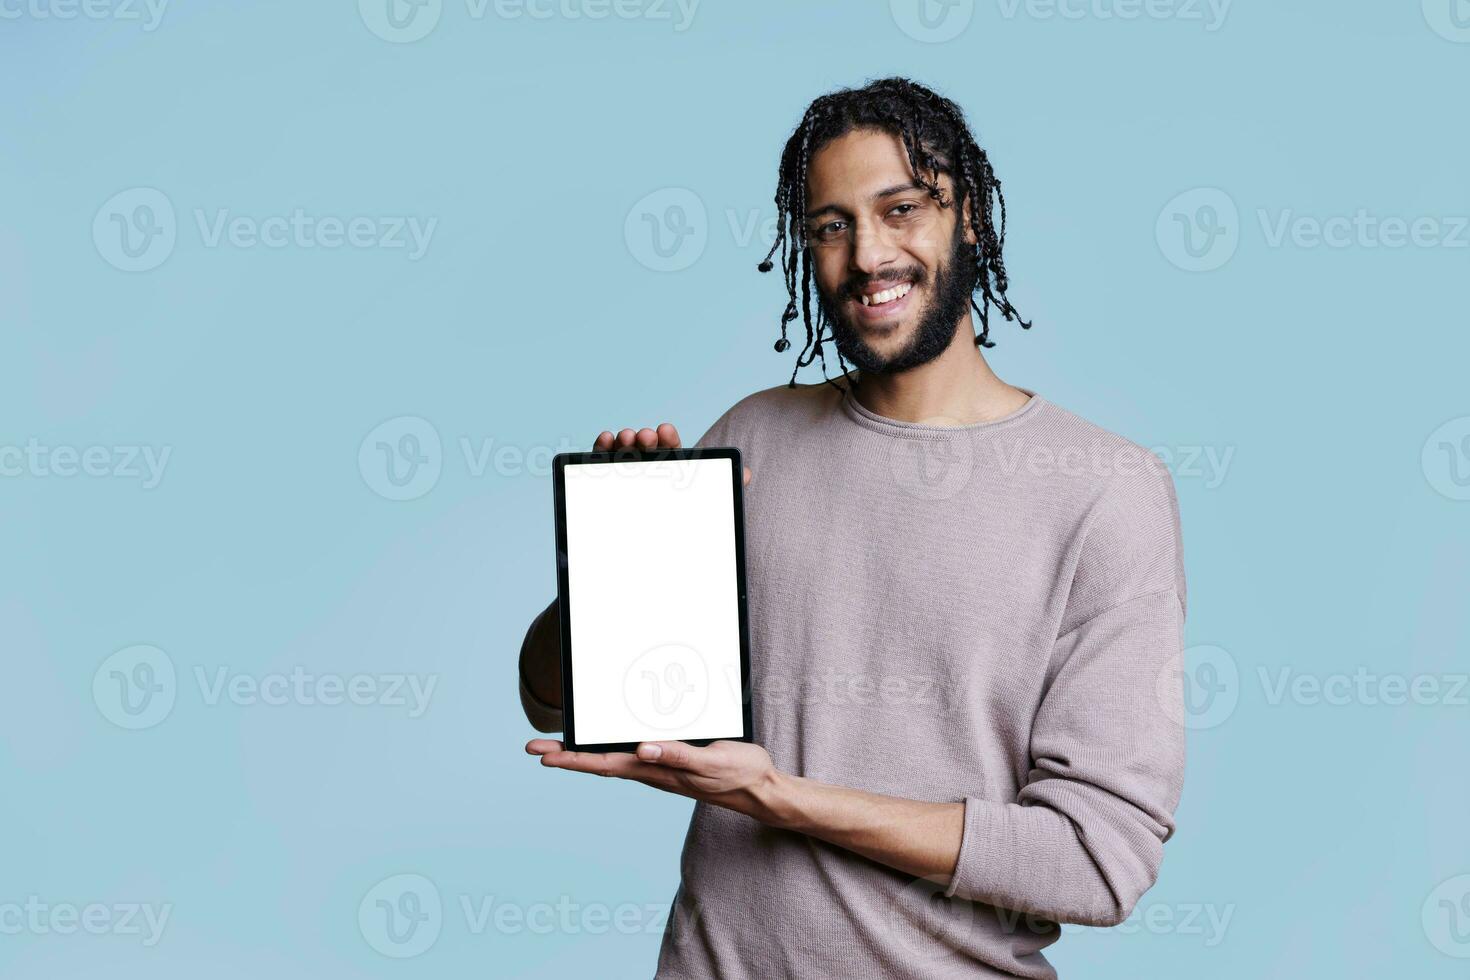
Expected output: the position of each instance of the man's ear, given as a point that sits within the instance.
(964, 218)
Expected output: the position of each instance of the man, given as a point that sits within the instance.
(966, 608)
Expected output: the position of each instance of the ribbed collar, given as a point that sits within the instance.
(897, 427)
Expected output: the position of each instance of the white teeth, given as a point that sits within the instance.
(887, 295)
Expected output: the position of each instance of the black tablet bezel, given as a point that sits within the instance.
(613, 458)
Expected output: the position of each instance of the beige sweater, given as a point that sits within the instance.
(989, 613)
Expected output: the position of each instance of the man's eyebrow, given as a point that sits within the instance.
(876, 196)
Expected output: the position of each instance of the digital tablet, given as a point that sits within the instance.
(650, 558)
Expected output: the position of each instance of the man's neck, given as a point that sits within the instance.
(956, 388)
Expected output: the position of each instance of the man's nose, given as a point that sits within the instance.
(872, 248)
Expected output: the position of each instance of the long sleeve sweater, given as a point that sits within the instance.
(988, 613)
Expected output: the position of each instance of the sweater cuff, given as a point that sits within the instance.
(982, 861)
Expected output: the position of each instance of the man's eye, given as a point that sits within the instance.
(830, 229)
(898, 209)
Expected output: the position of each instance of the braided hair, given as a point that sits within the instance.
(938, 140)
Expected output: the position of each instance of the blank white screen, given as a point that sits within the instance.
(655, 625)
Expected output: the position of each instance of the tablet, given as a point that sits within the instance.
(650, 558)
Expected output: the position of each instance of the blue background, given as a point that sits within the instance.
(1335, 539)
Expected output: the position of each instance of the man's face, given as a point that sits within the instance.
(875, 234)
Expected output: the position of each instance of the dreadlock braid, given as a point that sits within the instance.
(936, 139)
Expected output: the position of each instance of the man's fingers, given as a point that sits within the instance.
(541, 746)
(747, 476)
(621, 764)
(662, 436)
(626, 439)
(597, 763)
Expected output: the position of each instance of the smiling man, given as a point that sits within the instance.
(966, 607)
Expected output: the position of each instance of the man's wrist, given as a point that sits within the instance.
(776, 800)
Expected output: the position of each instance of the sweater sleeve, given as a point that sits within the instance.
(543, 716)
(1084, 838)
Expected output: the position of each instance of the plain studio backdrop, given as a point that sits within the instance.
(297, 300)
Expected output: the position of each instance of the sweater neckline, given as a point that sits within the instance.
(869, 419)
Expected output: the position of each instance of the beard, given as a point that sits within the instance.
(953, 287)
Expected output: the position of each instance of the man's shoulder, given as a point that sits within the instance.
(1130, 540)
(1097, 458)
(776, 406)
(785, 397)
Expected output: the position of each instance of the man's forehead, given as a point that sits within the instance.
(860, 167)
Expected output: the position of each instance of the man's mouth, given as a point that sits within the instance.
(882, 301)
(886, 295)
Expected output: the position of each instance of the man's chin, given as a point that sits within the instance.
(875, 345)
(868, 360)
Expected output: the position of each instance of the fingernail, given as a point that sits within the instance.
(652, 751)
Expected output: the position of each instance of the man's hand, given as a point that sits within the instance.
(736, 775)
(664, 437)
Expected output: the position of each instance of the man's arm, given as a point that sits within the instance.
(920, 838)
(540, 668)
(1084, 839)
